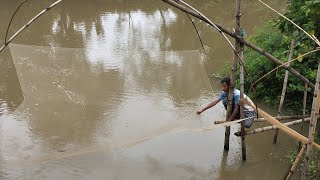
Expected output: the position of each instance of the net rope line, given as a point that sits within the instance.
(113, 147)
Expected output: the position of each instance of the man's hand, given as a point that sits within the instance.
(199, 111)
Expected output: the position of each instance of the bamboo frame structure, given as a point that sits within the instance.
(230, 33)
(284, 89)
(268, 128)
(282, 127)
(269, 118)
(239, 40)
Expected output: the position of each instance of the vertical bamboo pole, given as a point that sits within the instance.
(312, 125)
(233, 76)
(284, 89)
(305, 96)
(296, 162)
(243, 138)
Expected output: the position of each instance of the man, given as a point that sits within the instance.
(249, 112)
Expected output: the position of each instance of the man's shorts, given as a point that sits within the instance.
(250, 115)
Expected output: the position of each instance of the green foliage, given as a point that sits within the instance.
(314, 163)
(275, 38)
(271, 40)
(303, 13)
(225, 70)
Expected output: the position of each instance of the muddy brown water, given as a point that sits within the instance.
(109, 90)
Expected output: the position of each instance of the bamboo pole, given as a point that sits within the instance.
(305, 95)
(243, 138)
(281, 118)
(230, 102)
(296, 162)
(282, 127)
(232, 82)
(5, 39)
(230, 33)
(229, 108)
(285, 81)
(284, 89)
(312, 125)
(6, 43)
(268, 128)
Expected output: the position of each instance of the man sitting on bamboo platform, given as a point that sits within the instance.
(249, 112)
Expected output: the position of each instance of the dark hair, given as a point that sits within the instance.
(226, 80)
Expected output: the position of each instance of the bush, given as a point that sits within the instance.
(269, 89)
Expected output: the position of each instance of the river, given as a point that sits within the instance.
(109, 90)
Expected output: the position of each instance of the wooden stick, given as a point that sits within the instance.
(6, 43)
(282, 127)
(296, 162)
(268, 128)
(284, 89)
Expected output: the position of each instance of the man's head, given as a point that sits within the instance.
(225, 82)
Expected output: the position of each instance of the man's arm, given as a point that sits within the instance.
(234, 112)
(214, 102)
